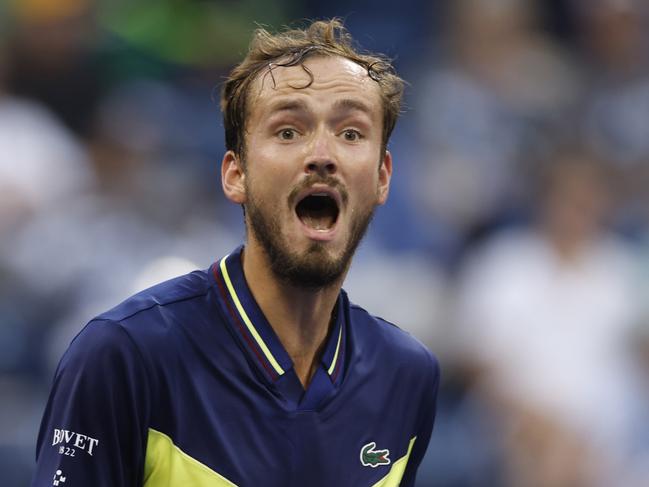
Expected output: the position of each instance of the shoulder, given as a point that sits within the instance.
(166, 295)
(146, 321)
(375, 335)
(100, 359)
(100, 342)
(158, 312)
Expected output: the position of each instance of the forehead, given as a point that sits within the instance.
(334, 77)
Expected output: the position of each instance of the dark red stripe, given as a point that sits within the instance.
(244, 331)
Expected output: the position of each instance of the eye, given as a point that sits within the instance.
(287, 134)
(352, 135)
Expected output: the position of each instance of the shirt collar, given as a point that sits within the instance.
(255, 332)
(333, 356)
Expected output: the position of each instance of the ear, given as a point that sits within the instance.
(385, 174)
(232, 178)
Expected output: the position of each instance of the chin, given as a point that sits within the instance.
(314, 268)
(307, 258)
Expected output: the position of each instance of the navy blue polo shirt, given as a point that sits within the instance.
(186, 383)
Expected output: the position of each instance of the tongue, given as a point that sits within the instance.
(318, 220)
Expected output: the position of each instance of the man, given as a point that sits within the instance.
(259, 371)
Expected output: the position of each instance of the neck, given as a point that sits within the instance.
(300, 317)
(569, 240)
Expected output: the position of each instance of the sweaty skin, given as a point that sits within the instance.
(330, 130)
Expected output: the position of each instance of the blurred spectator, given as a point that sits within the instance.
(41, 162)
(546, 317)
(503, 84)
(615, 119)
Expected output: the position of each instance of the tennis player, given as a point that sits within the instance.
(259, 371)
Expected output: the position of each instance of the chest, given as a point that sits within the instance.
(246, 432)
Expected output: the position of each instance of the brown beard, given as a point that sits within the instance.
(314, 269)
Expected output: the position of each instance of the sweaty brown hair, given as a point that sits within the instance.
(290, 48)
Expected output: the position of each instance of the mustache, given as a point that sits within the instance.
(313, 179)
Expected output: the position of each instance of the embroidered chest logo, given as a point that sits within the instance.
(373, 458)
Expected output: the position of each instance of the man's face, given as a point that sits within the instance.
(313, 170)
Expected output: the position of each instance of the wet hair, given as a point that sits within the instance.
(291, 48)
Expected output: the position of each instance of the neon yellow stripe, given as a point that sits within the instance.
(166, 465)
(393, 478)
(246, 320)
(333, 362)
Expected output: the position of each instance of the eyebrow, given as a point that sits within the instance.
(289, 106)
(352, 104)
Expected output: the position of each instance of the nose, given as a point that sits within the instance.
(320, 158)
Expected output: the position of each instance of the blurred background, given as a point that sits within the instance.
(515, 243)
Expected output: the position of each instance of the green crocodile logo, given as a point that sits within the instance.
(373, 458)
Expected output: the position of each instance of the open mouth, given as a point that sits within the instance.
(318, 211)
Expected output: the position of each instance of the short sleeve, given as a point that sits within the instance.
(94, 428)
